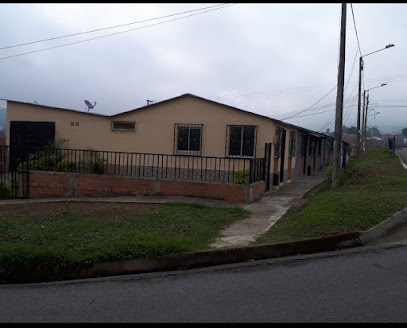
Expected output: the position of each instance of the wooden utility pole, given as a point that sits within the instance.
(336, 167)
(358, 134)
(365, 123)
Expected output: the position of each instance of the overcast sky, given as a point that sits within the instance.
(272, 59)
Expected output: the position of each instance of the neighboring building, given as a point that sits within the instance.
(350, 139)
(186, 125)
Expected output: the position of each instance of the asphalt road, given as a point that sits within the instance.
(365, 284)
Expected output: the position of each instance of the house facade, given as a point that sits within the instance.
(186, 125)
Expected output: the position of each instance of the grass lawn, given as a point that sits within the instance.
(373, 187)
(64, 238)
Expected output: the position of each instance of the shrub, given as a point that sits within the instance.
(329, 173)
(93, 163)
(242, 177)
(66, 166)
(5, 190)
(9, 190)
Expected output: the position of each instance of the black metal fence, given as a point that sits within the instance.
(143, 165)
(13, 182)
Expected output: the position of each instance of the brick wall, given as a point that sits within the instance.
(44, 184)
(258, 189)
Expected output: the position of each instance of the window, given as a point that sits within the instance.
(242, 140)
(123, 126)
(319, 146)
(292, 146)
(303, 144)
(188, 138)
(277, 145)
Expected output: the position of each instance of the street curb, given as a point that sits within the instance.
(244, 254)
(191, 260)
(214, 257)
(383, 227)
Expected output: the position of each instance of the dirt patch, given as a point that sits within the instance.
(100, 209)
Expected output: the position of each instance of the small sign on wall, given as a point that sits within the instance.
(74, 123)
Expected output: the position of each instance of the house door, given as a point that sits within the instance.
(267, 164)
(282, 155)
(304, 151)
(25, 136)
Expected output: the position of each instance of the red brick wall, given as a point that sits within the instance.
(258, 189)
(227, 192)
(57, 184)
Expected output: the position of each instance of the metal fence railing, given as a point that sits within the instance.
(143, 165)
(13, 183)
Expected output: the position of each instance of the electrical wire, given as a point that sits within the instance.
(356, 31)
(121, 32)
(108, 28)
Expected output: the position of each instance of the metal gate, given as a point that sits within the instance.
(13, 175)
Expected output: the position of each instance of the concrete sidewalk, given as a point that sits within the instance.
(266, 211)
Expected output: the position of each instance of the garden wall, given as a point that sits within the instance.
(45, 184)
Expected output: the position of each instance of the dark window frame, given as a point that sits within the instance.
(242, 133)
(277, 145)
(123, 126)
(292, 144)
(188, 151)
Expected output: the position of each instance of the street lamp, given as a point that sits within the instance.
(360, 91)
(364, 121)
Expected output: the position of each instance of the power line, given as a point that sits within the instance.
(356, 31)
(104, 36)
(302, 111)
(108, 28)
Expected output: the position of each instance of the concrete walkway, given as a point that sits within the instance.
(266, 211)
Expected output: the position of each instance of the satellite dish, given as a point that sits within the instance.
(90, 106)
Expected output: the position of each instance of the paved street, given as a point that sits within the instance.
(359, 285)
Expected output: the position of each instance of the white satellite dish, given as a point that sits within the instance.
(90, 106)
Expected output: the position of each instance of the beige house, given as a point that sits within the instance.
(186, 125)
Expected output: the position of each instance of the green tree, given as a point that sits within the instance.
(373, 132)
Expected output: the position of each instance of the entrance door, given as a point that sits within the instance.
(26, 135)
(282, 155)
(267, 164)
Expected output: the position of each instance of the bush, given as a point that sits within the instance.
(5, 190)
(329, 173)
(9, 190)
(242, 177)
(93, 163)
(66, 166)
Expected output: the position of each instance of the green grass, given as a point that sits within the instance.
(62, 240)
(373, 187)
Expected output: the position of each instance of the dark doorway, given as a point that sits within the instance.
(267, 164)
(282, 155)
(25, 136)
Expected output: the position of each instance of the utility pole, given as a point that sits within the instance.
(339, 104)
(365, 123)
(363, 118)
(360, 90)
